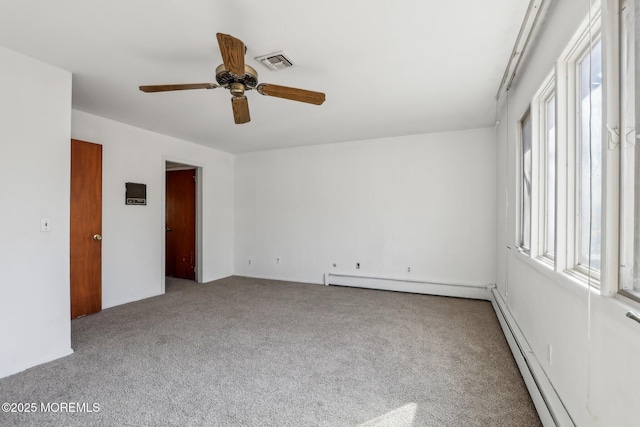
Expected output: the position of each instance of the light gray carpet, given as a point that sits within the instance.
(251, 352)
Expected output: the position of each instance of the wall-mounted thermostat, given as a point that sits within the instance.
(136, 194)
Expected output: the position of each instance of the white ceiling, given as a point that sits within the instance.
(388, 68)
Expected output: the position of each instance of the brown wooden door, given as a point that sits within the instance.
(181, 224)
(86, 228)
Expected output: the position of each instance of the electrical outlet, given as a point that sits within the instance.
(250, 262)
(408, 269)
(278, 260)
(335, 265)
(358, 265)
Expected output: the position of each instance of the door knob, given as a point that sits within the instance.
(97, 237)
(167, 229)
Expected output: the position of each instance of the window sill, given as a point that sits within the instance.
(631, 296)
(616, 306)
(549, 262)
(593, 281)
(569, 280)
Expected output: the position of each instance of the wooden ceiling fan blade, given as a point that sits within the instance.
(291, 93)
(232, 50)
(165, 88)
(240, 107)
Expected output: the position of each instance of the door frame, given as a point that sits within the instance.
(200, 172)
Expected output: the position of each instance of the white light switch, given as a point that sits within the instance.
(45, 224)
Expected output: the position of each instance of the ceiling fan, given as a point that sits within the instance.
(238, 77)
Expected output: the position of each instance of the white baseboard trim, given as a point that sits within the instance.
(278, 278)
(460, 290)
(551, 410)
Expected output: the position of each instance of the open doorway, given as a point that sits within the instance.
(181, 221)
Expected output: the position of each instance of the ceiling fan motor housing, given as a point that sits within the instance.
(225, 78)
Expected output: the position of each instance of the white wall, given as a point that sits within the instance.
(133, 236)
(35, 117)
(424, 201)
(600, 389)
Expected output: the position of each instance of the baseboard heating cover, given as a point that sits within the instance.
(550, 408)
(473, 291)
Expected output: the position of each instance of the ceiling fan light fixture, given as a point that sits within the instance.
(276, 61)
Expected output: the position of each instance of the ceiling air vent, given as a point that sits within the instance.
(276, 61)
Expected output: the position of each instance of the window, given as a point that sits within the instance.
(544, 146)
(560, 163)
(526, 181)
(588, 185)
(629, 152)
(543, 221)
(549, 162)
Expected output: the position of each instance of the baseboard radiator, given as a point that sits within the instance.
(547, 402)
(550, 408)
(410, 285)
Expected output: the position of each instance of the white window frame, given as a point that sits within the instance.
(567, 140)
(546, 92)
(577, 266)
(627, 144)
(520, 192)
